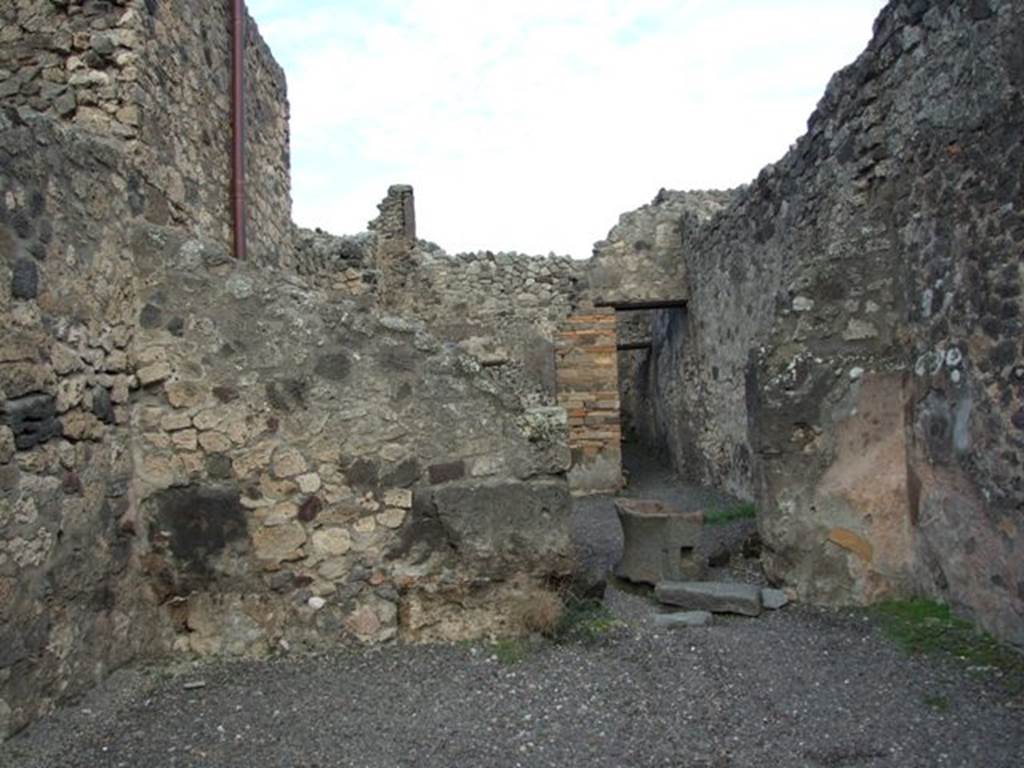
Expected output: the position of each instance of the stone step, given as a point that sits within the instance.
(717, 597)
(682, 619)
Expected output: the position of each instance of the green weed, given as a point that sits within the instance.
(511, 650)
(743, 511)
(586, 621)
(926, 627)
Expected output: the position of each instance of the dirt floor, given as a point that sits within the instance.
(795, 687)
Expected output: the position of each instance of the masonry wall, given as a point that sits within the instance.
(114, 69)
(357, 477)
(852, 347)
(211, 457)
(71, 605)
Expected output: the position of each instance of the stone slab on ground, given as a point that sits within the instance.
(717, 597)
(683, 619)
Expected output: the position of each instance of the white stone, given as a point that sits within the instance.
(309, 482)
(398, 497)
(316, 603)
(332, 541)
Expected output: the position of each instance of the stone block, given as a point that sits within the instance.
(659, 542)
(445, 473)
(717, 597)
(506, 525)
(773, 599)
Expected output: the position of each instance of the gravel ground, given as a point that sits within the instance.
(798, 687)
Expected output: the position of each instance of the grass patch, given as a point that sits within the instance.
(585, 621)
(511, 650)
(926, 627)
(743, 511)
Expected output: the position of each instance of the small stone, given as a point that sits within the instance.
(175, 421)
(309, 509)
(316, 603)
(391, 517)
(856, 373)
(773, 599)
(154, 374)
(365, 525)
(332, 541)
(683, 619)
(185, 440)
(193, 685)
(64, 360)
(82, 426)
(288, 463)
(363, 622)
(309, 482)
(398, 497)
(280, 543)
(214, 442)
(6, 445)
(803, 304)
(859, 330)
(183, 394)
(25, 279)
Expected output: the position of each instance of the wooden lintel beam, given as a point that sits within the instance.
(627, 346)
(635, 306)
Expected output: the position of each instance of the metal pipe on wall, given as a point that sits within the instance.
(238, 207)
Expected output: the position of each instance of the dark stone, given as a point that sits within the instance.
(286, 394)
(281, 580)
(225, 394)
(32, 419)
(309, 509)
(363, 473)
(333, 367)
(102, 407)
(218, 466)
(503, 525)
(445, 473)
(9, 475)
(199, 522)
(404, 475)
(1004, 353)
(980, 10)
(150, 316)
(71, 484)
(29, 408)
(176, 326)
(422, 534)
(25, 279)
(1018, 419)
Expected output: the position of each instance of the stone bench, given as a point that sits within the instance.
(659, 542)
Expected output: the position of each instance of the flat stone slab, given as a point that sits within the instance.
(659, 542)
(717, 597)
(682, 619)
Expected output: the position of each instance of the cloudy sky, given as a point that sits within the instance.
(530, 125)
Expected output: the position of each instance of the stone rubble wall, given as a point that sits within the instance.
(344, 460)
(114, 69)
(71, 605)
(850, 354)
(641, 259)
